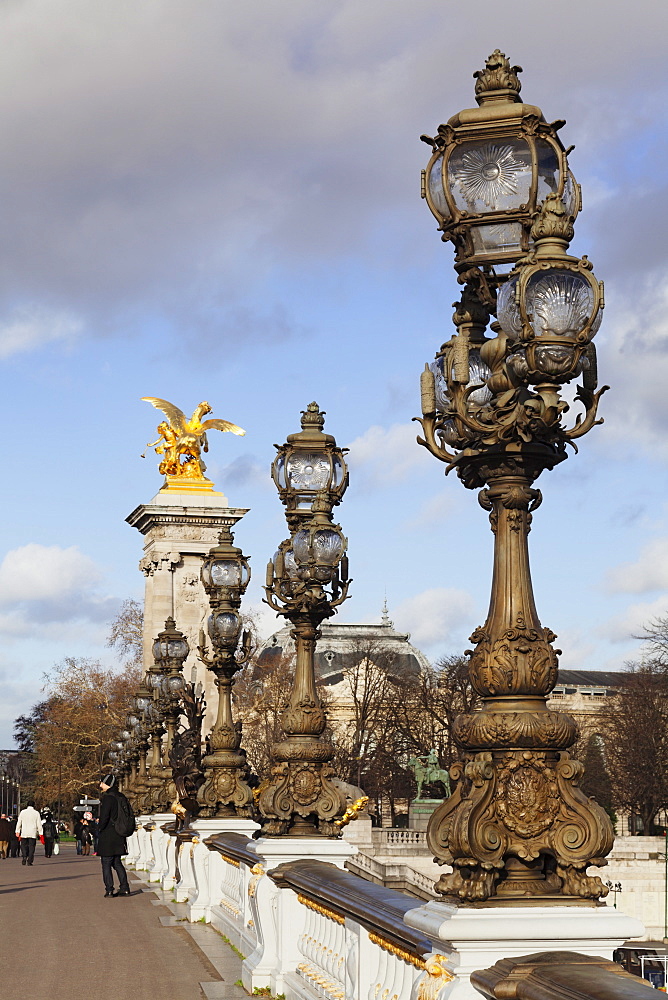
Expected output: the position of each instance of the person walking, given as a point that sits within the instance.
(111, 845)
(78, 827)
(28, 828)
(14, 846)
(5, 835)
(86, 838)
(50, 831)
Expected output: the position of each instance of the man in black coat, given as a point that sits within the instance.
(111, 845)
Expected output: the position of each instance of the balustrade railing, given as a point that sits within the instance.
(559, 975)
(312, 930)
(352, 941)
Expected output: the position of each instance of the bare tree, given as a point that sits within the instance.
(70, 731)
(126, 631)
(259, 696)
(636, 740)
(429, 704)
(655, 635)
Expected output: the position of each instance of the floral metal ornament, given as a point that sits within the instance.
(517, 825)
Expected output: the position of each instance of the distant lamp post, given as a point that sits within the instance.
(225, 575)
(309, 465)
(170, 651)
(517, 824)
(137, 719)
(306, 581)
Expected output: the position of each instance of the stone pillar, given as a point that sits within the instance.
(179, 528)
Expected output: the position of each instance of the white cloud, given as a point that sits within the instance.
(151, 184)
(630, 623)
(45, 573)
(27, 329)
(633, 359)
(437, 616)
(648, 572)
(383, 456)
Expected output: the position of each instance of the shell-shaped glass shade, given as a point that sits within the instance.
(558, 303)
(226, 624)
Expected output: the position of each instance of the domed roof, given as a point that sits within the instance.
(341, 646)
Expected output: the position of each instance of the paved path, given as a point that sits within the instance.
(62, 939)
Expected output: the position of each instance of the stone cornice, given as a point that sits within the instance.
(148, 516)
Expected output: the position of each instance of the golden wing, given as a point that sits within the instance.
(222, 425)
(177, 418)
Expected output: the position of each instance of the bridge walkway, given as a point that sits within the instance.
(60, 938)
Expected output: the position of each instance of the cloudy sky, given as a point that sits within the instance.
(220, 201)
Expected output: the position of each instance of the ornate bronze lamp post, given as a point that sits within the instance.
(165, 680)
(300, 798)
(225, 575)
(498, 181)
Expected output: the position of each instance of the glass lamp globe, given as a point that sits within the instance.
(492, 167)
(224, 625)
(225, 567)
(170, 646)
(310, 464)
(174, 684)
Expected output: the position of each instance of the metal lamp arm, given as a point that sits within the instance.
(428, 424)
(590, 401)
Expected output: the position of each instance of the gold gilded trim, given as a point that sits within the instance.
(319, 908)
(230, 861)
(394, 949)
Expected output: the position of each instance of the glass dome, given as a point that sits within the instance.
(225, 625)
(173, 684)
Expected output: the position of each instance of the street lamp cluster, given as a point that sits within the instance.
(306, 581)
(517, 825)
(10, 795)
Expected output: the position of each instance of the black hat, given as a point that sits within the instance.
(109, 780)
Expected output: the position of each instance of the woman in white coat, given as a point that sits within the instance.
(28, 828)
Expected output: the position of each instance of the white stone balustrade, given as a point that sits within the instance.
(313, 931)
(157, 869)
(145, 852)
(185, 889)
(169, 878)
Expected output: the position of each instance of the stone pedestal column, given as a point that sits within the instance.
(466, 939)
(179, 528)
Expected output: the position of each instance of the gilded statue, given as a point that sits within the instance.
(181, 441)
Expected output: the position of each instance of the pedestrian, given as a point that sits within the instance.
(5, 835)
(28, 828)
(111, 845)
(86, 838)
(78, 827)
(14, 846)
(50, 831)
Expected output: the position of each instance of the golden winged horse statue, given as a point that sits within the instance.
(181, 440)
